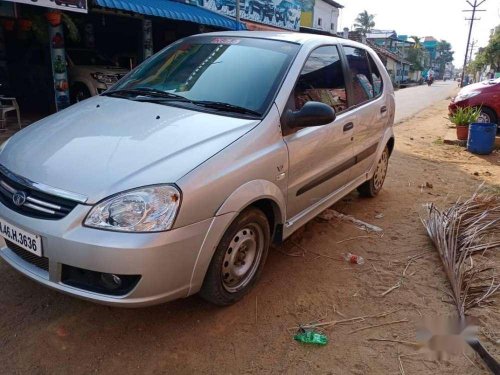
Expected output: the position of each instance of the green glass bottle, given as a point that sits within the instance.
(311, 337)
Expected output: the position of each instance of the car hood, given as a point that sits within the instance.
(478, 86)
(104, 145)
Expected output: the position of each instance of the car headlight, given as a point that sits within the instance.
(147, 209)
(108, 79)
(466, 95)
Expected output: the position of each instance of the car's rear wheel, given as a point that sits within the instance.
(373, 186)
(238, 260)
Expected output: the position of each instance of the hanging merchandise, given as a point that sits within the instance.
(59, 71)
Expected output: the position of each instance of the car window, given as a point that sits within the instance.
(359, 70)
(322, 80)
(376, 77)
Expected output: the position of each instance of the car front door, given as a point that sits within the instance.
(319, 157)
(367, 100)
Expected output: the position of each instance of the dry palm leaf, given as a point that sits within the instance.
(467, 238)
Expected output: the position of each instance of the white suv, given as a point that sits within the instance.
(90, 73)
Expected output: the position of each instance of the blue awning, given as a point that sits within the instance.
(175, 11)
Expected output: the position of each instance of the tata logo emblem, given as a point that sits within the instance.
(19, 198)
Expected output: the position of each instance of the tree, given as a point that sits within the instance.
(416, 40)
(489, 55)
(445, 55)
(364, 22)
(416, 55)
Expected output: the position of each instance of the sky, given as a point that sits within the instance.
(442, 19)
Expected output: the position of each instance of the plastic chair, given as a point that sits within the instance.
(8, 105)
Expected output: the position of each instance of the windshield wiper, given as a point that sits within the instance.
(226, 107)
(146, 92)
(155, 95)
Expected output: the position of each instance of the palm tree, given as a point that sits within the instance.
(364, 22)
(417, 43)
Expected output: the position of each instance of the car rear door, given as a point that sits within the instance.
(319, 157)
(368, 102)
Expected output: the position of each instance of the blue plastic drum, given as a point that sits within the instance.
(481, 138)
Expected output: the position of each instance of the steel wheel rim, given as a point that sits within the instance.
(381, 171)
(242, 257)
(483, 117)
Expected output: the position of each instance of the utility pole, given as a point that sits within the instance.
(238, 14)
(472, 47)
(472, 19)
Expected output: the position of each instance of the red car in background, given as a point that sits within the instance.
(484, 94)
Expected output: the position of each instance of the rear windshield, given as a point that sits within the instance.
(244, 72)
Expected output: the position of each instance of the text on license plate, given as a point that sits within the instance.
(26, 240)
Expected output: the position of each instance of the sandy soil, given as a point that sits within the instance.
(43, 332)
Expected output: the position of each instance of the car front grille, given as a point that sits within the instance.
(40, 262)
(36, 203)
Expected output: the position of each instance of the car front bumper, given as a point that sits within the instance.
(165, 261)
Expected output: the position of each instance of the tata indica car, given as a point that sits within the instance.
(484, 95)
(177, 180)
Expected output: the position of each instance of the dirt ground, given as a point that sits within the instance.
(44, 332)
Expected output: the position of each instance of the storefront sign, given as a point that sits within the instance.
(59, 71)
(70, 5)
(284, 14)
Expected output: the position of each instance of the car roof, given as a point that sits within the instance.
(286, 36)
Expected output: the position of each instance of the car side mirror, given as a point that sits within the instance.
(311, 114)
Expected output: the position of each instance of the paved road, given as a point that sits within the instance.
(411, 101)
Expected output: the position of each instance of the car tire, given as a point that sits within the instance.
(373, 186)
(487, 115)
(229, 278)
(79, 92)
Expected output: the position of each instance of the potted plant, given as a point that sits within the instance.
(54, 17)
(462, 118)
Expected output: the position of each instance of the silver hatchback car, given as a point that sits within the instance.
(177, 180)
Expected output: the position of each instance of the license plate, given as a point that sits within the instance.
(26, 240)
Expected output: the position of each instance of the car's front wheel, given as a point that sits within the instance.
(79, 93)
(487, 115)
(373, 186)
(239, 259)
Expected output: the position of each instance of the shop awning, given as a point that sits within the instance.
(173, 10)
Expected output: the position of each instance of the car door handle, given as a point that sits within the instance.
(383, 109)
(348, 126)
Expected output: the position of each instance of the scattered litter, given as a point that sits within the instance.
(353, 258)
(329, 214)
(311, 337)
(379, 216)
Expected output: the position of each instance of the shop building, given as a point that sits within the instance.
(53, 53)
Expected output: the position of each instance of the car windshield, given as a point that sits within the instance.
(88, 57)
(232, 72)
